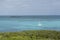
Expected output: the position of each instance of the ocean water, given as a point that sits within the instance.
(20, 23)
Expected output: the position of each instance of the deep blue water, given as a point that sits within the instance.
(18, 23)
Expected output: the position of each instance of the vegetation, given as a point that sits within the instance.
(31, 35)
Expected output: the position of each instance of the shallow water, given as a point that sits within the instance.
(29, 23)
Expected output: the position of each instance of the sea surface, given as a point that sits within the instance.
(20, 23)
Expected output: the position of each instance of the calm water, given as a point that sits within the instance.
(18, 23)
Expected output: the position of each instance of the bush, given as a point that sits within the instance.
(31, 35)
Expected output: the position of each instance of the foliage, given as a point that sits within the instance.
(31, 35)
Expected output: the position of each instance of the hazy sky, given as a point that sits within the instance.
(29, 7)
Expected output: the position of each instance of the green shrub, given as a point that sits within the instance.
(31, 35)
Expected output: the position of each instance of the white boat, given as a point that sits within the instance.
(39, 24)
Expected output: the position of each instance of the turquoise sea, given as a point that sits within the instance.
(18, 23)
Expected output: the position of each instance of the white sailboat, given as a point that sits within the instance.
(39, 24)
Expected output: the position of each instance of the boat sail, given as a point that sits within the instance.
(39, 24)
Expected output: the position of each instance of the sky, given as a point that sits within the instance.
(29, 7)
